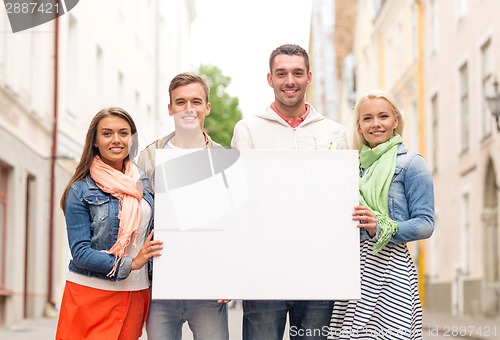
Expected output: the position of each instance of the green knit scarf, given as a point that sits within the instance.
(379, 164)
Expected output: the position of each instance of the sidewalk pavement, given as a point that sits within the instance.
(436, 326)
(467, 327)
(30, 329)
(45, 328)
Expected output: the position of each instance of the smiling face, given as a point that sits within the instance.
(376, 121)
(113, 140)
(189, 107)
(289, 78)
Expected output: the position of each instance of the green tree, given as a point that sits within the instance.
(225, 112)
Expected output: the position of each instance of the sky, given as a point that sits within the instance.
(238, 36)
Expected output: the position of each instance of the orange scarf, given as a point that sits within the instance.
(128, 189)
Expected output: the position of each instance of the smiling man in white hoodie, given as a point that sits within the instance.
(288, 123)
(188, 106)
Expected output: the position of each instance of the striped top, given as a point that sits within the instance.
(389, 307)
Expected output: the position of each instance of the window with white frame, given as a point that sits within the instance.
(377, 5)
(3, 29)
(389, 62)
(99, 74)
(434, 25)
(434, 256)
(149, 114)
(465, 233)
(138, 104)
(39, 74)
(72, 66)
(3, 223)
(150, 26)
(399, 48)
(486, 87)
(367, 75)
(462, 8)
(138, 112)
(12, 61)
(464, 108)
(24, 69)
(139, 18)
(121, 89)
(415, 126)
(435, 132)
(413, 32)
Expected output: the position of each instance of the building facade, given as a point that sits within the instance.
(439, 58)
(53, 79)
(322, 93)
(26, 121)
(461, 59)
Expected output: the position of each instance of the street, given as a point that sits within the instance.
(435, 328)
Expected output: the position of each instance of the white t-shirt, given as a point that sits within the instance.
(137, 279)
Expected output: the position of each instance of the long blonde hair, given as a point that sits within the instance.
(357, 139)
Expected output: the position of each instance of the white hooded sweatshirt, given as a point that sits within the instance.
(267, 130)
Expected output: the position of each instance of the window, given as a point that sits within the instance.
(486, 87)
(3, 47)
(367, 77)
(464, 109)
(139, 18)
(377, 5)
(148, 36)
(3, 239)
(3, 222)
(121, 89)
(149, 115)
(413, 32)
(30, 261)
(434, 25)
(38, 78)
(415, 126)
(400, 48)
(138, 104)
(99, 74)
(465, 232)
(12, 58)
(435, 132)
(490, 227)
(435, 249)
(72, 66)
(389, 62)
(463, 8)
(24, 69)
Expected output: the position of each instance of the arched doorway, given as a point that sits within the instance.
(491, 291)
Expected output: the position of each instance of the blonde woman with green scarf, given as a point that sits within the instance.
(396, 207)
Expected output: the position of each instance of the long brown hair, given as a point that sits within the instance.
(90, 150)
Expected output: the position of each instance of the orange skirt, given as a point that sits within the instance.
(89, 313)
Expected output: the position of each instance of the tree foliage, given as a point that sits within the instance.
(225, 112)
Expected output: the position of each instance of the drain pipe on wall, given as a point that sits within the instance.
(50, 308)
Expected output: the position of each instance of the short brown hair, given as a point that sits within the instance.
(289, 49)
(187, 78)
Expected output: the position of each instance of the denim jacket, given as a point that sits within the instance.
(411, 199)
(92, 224)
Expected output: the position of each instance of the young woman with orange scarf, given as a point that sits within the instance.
(108, 206)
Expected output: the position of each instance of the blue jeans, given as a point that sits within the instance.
(267, 319)
(206, 319)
